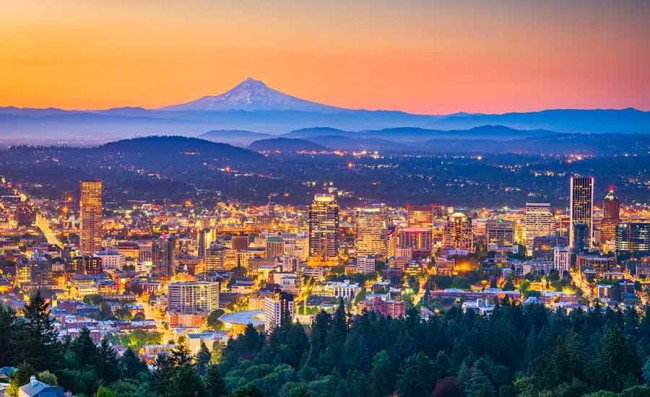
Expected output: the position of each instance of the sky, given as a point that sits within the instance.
(420, 56)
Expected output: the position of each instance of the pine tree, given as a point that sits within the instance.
(180, 356)
(8, 327)
(381, 376)
(203, 359)
(163, 375)
(187, 383)
(84, 348)
(130, 365)
(216, 386)
(107, 365)
(37, 342)
(336, 339)
(416, 378)
(619, 364)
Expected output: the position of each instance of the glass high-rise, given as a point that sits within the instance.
(581, 210)
(323, 226)
(90, 214)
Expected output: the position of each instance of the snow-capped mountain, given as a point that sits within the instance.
(252, 94)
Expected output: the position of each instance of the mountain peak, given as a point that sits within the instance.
(250, 83)
(251, 95)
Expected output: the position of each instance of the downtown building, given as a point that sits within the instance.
(323, 227)
(370, 231)
(90, 214)
(581, 210)
(458, 234)
(278, 308)
(163, 257)
(538, 222)
(500, 235)
(611, 218)
(193, 296)
(633, 237)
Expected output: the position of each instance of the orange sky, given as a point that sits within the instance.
(418, 56)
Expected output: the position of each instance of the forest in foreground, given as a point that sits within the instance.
(517, 351)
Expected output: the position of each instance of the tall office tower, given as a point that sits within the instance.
(323, 226)
(633, 237)
(274, 247)
(204, 238)
(611, 217)
(370, 231)
(194, 297)
(500, 235)
(90, 212)
(538, 222)
(420, 216)
(215, 258)
(278, 308)
(581, 210)
(416, 241)
(562, 259)
(163, 256)
(458, 233)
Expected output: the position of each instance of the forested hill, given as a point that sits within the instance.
(518, 350)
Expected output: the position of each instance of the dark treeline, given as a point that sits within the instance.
(518, 350)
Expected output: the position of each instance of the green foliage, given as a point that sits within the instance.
(213, 319)
(19, 378)
(517, 350)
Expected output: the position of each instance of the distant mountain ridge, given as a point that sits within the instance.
(251, 94)
(253, 106)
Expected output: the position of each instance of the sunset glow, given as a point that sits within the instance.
(416, 56)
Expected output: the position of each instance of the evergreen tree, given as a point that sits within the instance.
(619, 364)
(417, 376)
(203, 358)
(37, 341)
(8, 328)
(382, 377)
(187, 383)
(130, 365)
(107, 364)
(84, 348)
(336, 339)
(216, 386)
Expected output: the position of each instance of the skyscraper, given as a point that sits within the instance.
(458, 233)
(163, 253)
(90, 213)
(193, 297)
(633, 237)
(581, 211)
(538, 222)
(323, 226)
(611, 217)
(370, 232)
(420, 216)
(500, 236)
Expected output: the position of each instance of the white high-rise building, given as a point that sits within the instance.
(277, 308)
(538, 222)
(562, 259)
(370, 233)
(193, 297)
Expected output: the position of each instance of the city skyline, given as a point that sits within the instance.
(245, 198)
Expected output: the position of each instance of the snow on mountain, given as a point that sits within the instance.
(252, 94)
